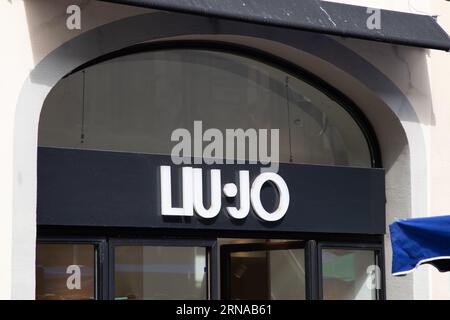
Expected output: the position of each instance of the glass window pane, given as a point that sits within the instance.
(273, 274)
(249, 276)
(160, 272)
(134, 103)
(347, 274)
(65, 272)
(287, 274)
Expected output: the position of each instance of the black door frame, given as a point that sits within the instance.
(313, 258)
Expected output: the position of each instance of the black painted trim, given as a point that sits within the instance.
(138, 233)
(213, 271)
(312, 270)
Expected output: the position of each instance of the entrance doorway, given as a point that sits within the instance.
(263, 270)
(195, 269)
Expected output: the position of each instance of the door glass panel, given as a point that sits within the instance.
(267, 274)
(349, 274)
(287, 274)
(249, 275)
(65, 272)
(160, 272)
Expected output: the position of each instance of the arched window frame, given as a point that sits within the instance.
(266, 58)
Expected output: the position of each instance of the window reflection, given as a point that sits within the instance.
(160, 272)
(347, 274)
(267, 275)
(65, 272)
(133, 104)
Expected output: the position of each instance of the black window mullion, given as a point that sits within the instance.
(102, 270)
(213, 272)
(311, 266)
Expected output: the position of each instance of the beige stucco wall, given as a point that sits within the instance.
(35, 28)
(440, 141)
(18, 56)
(31, 29)
(422, 77)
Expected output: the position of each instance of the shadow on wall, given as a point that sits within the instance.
(400, 67)
(408, 68)
(47, 21)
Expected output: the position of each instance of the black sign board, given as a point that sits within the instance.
(113, 189)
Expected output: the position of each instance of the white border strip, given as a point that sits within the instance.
(402, 273)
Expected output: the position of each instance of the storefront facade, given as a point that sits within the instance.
(102, 210)
(121, 195)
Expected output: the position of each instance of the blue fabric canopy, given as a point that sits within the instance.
(419, 241)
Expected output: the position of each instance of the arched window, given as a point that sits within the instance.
(132, 103)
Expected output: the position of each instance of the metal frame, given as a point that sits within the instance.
(312, 285)
(379, 259)
(101, 258)
(209, 245)
(194, 234)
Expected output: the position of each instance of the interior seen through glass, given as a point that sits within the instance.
(347, 274)
(135, 102)
(247, 269)
(267, 274)
(65, 271)
(160, 272)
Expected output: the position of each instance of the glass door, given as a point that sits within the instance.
(263, 271)
(161, 270)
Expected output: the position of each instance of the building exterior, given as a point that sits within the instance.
(94, 206)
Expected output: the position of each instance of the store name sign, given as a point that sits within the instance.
(192, 194)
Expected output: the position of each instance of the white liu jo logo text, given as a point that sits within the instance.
(192, 194)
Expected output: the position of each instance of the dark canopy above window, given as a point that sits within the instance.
(316, 16)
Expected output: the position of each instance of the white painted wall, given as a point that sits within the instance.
(16, 64)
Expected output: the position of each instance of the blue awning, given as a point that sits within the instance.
(420, 241)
